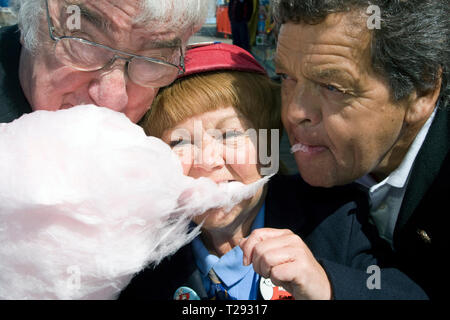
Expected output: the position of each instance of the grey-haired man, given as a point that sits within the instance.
(109, 53)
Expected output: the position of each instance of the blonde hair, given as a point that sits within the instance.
(254, 96)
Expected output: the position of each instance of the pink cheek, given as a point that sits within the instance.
(186, 168)
(186, 160)
(247, 173)
(65, 77)
(74, 88)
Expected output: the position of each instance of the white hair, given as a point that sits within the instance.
(29, 13)
(181, 15)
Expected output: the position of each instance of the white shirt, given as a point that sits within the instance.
(387, 196)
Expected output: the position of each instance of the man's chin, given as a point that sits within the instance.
(318, 178)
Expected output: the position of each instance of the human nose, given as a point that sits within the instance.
(109, 88)
(303, 106)
(210, 156)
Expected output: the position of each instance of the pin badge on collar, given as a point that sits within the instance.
(269, 291)
(185, 293)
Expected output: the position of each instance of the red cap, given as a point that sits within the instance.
(219, 56)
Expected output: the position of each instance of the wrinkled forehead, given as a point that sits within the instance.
(341, 34)
(134, 17)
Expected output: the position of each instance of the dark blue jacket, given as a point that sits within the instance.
(13, 103)
(421, 232)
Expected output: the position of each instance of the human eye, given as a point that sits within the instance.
(288, 82)
(83, 54)
(180, 142)
(335, 91)
(331, 88)
(285, 76)
(234, 138)
(232, 134)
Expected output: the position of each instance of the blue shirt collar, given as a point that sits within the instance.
(229, 267)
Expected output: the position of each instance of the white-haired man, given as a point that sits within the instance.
(110, 53)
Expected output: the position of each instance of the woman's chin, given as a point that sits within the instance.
(216, 218)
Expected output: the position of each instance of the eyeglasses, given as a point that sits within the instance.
(85, 55)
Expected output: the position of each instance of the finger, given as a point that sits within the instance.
(263, 264)
(262, 252)
(303, 277)
(285, 273)
(257, 236)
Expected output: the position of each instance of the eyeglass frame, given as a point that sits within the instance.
(51, 28)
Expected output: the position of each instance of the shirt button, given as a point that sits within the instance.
(424, 236)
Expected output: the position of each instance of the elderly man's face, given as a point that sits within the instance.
(51, 85)
(338, 114)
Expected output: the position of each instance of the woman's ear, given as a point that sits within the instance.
(421, 105)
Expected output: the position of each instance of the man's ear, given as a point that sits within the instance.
(421, 105)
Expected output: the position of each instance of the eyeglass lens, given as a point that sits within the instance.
(86, 57)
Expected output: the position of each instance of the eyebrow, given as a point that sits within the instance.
(332, 75)
(170, 43)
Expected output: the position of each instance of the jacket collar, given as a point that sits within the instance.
(427, 166)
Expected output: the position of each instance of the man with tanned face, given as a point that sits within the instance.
(117, 55)
(365, 99)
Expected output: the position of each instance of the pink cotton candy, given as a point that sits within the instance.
(87, 200)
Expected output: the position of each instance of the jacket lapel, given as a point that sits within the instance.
(195, 282)
(184, 273)
(426, 167)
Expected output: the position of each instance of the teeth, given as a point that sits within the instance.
(299, 147)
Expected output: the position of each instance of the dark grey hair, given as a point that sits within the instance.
(411, 47)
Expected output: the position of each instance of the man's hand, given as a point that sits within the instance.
(283, 257)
